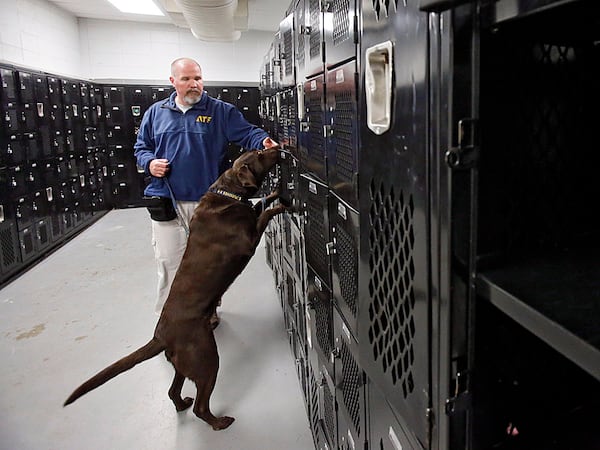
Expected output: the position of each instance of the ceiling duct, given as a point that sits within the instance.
(215, 20)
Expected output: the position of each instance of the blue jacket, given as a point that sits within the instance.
(195, 143)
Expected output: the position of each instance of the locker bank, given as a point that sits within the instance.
(436, 284)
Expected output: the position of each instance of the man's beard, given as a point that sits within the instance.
(193, 97)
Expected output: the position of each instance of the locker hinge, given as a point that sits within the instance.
(466, 154)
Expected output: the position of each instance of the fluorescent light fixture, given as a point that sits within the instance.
(147, 7)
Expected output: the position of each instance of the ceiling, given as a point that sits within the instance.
(264, 15)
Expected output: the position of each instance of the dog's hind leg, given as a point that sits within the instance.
(206, 383)
(181, 404)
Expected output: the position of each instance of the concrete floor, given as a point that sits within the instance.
(90, 303)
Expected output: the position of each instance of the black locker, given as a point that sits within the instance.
(311, 139)
(322, 407)
(43, 110)
(84, 97)
(289, 120)
(139, 99)
(309, 32)
(10, 253)
(286, 53)
(393, 316)
(115, 107)
(342, 132)
(387, 431)
(345, 234)
(12, 149)
(26, 87)
(293, 247)
(28, 244)
(314, 198)
(9, 84)
(340, 31)
(350, 385)
(8, 107)
(23, 207)
(56, 108)
(159, 93)
(319, 324)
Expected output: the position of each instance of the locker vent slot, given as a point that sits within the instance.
(9, 248)
(314, 406)
(291, 132)
(315, 29)
(392, 298)
(316, 150)
(344, 124)
(323, 317)
(316, 239)
(288, 53)
(301, 324)
(329, 416)
(348, 260)
(300, 51)
(291, 293)
(351, 383)
(341, 24)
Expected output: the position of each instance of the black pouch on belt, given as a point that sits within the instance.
(160, 208)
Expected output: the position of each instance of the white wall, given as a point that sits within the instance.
(38, 35)
(126, 50)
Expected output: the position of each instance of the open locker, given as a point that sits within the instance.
(512, 98)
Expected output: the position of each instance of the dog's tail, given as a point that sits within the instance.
(150, 350)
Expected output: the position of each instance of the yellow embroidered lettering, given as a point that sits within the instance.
(203, 119)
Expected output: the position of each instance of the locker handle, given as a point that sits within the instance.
(300, 100)
(2, 213)
(378, 80)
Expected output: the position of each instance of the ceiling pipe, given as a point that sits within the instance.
(211, 20)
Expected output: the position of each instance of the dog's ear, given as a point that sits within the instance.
(246, 177)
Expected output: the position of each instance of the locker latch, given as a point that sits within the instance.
(466, 154)
(330, 248)
(326, 6)
(462, 396)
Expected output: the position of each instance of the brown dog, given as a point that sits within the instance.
(224, 233)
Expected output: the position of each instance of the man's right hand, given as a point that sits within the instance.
(159, 167)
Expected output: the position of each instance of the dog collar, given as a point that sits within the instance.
(224, 193)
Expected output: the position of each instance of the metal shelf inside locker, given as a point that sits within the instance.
(555, 297)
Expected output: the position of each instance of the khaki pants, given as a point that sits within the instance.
(169, 241)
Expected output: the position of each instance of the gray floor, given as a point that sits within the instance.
(90, 303)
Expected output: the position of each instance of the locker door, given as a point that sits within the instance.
(394, 268)
(286, 52)
(452, 112)
(341, 31)
(342, 132)
(311, 139)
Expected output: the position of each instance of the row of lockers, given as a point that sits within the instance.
(433, 248)
(66, 156)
